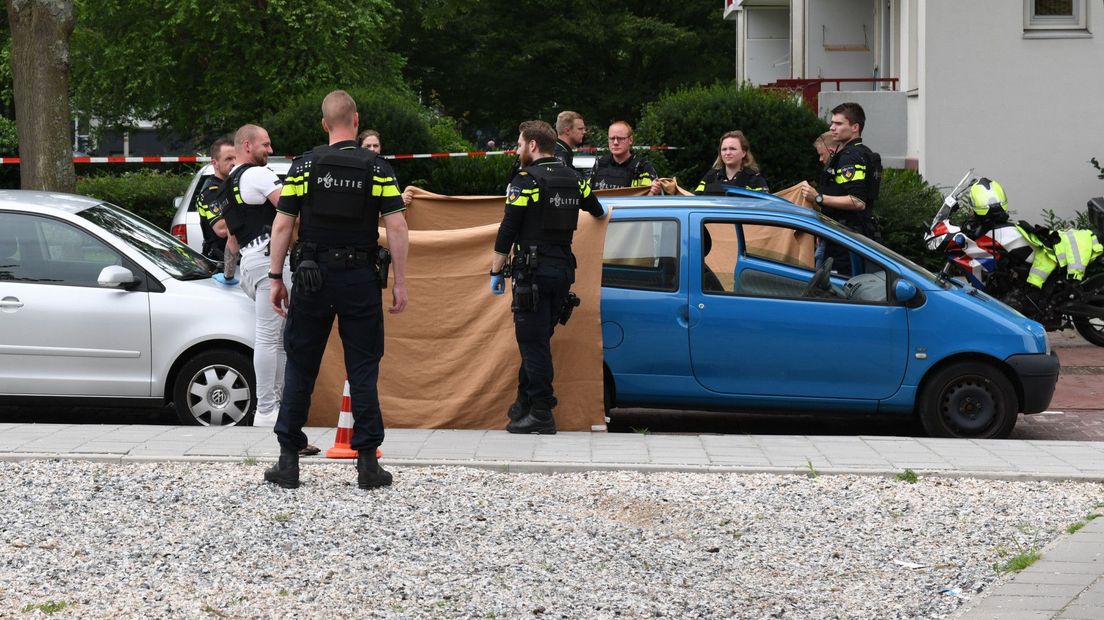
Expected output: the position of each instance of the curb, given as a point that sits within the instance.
(560, 467)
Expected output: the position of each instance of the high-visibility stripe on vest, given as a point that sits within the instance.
(1043, 262)
(1075, 250)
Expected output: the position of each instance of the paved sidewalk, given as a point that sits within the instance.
(1010, 459)
(1067, 583)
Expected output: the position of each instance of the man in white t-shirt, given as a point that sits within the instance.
(253, 190)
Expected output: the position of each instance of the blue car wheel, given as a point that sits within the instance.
(968, 400)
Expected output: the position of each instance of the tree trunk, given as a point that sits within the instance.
(40, 33)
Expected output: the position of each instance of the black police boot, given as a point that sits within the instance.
(286, 471)
(518, 409)
(370, 475)
(538, 420)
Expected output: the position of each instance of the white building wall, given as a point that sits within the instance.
(1028, 112)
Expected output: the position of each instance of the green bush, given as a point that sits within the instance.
(905, 208)
(9, 141)
(471, 176)
(781, 131)
(146, 193)
(405, 126)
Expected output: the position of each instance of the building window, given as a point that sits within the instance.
(1055, 14)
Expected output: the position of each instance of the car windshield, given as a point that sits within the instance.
(177, 259)
(923, 271)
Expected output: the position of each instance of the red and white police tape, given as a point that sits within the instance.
(197, 159)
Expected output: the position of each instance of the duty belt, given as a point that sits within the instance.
(258, 242)
(338, 258)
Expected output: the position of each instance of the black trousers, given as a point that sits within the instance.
(354, 297)
(533, 331)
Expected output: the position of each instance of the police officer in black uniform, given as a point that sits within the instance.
(572, 130)
(844, 195)
(210, 214)
(338, 192)
(542, 212)
(621, 167)
(734, 167)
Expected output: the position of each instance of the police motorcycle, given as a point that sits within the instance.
(1037, 271)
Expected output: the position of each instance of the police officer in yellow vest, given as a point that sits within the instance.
(338, 193)
(542, 211)
(844, 196)
(210, 213)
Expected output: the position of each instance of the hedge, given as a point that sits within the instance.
(146, 193)
(780, 129)
(471, 176)
(905, 208)
(405, 126)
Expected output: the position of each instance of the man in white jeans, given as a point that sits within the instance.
(253, 192)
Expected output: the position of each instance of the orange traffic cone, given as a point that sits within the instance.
(342, 448)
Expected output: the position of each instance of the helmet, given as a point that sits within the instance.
(987, 198)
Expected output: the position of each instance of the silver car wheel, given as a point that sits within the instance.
(218, 395)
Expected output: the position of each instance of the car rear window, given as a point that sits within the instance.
(642, 254)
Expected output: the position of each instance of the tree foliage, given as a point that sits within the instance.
(494, 63)
(200, 68)
(781, 131)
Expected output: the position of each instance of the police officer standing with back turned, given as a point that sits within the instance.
(542, 212)
(338, 192)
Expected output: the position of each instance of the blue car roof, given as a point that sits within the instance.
(749, 202)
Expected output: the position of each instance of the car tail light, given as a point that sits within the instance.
(180, 231)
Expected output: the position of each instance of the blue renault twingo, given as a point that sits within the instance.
(716, 303)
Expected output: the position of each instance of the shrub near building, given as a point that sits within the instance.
(781, 131)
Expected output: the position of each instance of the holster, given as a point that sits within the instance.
(383, 266)
(570, 302)
(522, 271)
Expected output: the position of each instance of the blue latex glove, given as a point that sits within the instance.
(498, 284)
(221, 279)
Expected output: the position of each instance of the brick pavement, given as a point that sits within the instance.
(1079, 396)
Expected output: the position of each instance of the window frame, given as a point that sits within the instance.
(677, 283)
(752, 259)
(124, 260)
(1050, 23)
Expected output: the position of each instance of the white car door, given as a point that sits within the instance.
(61, 333)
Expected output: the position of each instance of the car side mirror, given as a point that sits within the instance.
(177, 201)
(904, 291)
(115, 276)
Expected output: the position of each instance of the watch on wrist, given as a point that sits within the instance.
(819, 199)
(276, 276)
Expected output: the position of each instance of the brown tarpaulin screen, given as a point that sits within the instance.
(450, 359)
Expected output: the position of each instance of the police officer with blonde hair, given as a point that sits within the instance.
(572, 130)
(337, 192)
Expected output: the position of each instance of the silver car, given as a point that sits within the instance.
(185, 223)
(100, 307)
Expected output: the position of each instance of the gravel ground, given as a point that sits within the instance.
(210, 540)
